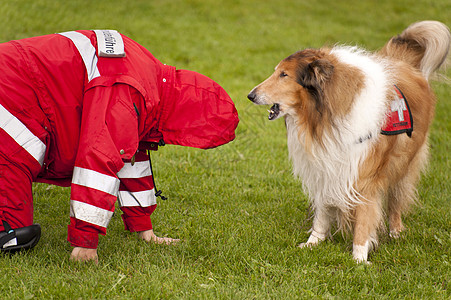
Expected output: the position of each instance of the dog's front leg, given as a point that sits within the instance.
(320, 229)
(367, 220)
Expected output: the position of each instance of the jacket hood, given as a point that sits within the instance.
(195, 111)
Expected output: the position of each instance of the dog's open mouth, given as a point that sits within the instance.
(274, 111)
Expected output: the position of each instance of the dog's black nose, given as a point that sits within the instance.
(252, 96)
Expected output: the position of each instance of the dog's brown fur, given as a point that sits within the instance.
(318, 90)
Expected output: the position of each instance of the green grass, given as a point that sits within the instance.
(237, 208)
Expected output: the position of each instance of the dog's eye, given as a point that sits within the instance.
(283, 74)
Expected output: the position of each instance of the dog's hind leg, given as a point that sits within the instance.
(395, 208)
(320, 229)
(403, 194)
(368, 216)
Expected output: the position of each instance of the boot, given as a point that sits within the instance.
(12, 240)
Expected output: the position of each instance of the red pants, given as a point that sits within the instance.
(16, 198)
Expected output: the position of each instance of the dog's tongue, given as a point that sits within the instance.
(274, 112)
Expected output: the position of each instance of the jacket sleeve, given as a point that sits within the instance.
(136, 193)
(108, 135)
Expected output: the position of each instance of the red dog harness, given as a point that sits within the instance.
(399, 117)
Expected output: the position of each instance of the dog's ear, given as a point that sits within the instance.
(316, 73)
(314, 76)
(320, 70)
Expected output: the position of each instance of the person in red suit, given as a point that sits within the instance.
(81, 109)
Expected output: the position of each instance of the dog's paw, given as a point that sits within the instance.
(307, 245)
(395, 233)
(314, 239)
(362, 261)
(396, 228)
(360, 252)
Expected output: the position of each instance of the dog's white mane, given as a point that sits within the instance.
(328, 174)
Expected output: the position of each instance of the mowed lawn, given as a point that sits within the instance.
(237, 209)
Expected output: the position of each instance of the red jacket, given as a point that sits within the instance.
(92, 114)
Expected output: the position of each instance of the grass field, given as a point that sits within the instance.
(237, 208)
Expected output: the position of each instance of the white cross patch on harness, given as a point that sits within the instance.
(399, 106)
(109, 43)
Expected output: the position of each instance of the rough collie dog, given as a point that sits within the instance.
(358, 125)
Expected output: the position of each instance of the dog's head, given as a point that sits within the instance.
(298, 84)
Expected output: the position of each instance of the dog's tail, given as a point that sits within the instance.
(424, 45)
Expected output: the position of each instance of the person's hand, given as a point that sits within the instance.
(84, 254)
(150, 237)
